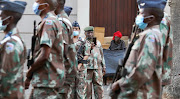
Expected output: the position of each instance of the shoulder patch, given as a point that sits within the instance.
(151, 38)
(163, 21)
(49, 22)
(9, 47)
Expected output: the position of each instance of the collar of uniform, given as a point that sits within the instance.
(50, 14)
(63, 13)
(155, 27)
(12, 32)
(88, 40)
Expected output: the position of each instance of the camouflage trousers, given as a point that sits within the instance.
(95, 79)
(46, 93)
(81, 84)
(15, 92)
(69, 87)
(13, 96)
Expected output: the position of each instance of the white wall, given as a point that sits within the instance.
(83, 14)
(25, 25)
(73, 4)
(80, 13)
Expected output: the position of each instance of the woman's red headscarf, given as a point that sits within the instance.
(118, 34)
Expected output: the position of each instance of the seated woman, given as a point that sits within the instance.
(117, 43)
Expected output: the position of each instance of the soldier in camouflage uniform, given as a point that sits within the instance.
(12, 51)
(145, 63)
(47, 73)
(83, 50)
(95, 67)
(165, 28)
(70, 51)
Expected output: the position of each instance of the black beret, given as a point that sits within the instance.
(16, 6)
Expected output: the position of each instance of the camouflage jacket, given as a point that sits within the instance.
(86, 50)
(96, 59)
(168, 49)
(52, 74)
(71, 59)
(144, 66)
(12, 59)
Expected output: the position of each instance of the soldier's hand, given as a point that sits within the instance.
(27, 83)
(79, 66)
(92, 45)
(29, 73)
(115, 86)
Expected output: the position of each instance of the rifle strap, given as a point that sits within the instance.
(66, 22)
(136, 36)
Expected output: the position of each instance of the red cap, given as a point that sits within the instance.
(118, 34)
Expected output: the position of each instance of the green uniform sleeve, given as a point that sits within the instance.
(48, 34)
(87, 49)
(65, 34)
(102, 56)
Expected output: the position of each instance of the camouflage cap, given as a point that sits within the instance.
(89, 28)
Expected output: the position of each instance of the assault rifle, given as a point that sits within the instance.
(80, 53)
(121, 71)
(31, 51)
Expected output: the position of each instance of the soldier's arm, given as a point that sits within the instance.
(168, 50)
(102, 56)
(47, 38)
(168, 62)
(145, 66)
(103, 60)
(65, 38)
(87, 51)
(41, 59)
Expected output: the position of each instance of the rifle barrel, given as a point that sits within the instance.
(34, 27)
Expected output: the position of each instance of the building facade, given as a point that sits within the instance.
(80, 13)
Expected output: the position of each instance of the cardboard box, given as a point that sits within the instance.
(99, 33)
